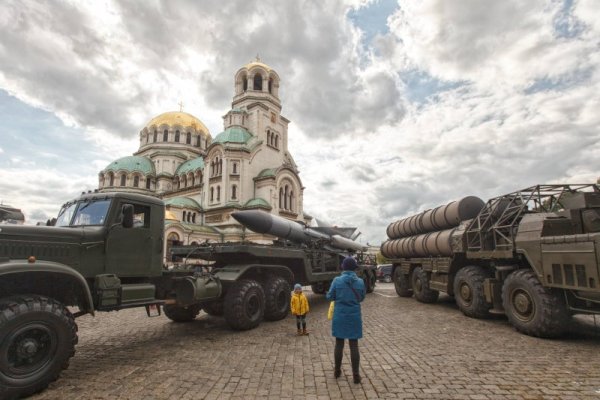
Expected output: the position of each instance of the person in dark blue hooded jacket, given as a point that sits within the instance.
(347, 290)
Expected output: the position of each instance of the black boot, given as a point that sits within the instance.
(357, 378)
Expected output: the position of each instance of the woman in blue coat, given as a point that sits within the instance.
(347, 290)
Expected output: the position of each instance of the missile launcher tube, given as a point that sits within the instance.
(437, 219)
(433, 244)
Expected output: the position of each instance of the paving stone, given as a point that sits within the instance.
(410, 351)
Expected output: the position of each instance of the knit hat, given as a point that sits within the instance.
(297, 286)
(349, 264)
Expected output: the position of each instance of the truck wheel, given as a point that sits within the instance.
(420, 285)
(531, 308)
(277, 298)
(387, 279)
(468, 291)
(214, 308)
(37, 339)
(181, 314)
(244, 305)
(401, 284)
(320, 287)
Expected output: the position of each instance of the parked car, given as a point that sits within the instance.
(384, 272)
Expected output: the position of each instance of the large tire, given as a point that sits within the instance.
(531, 308)
(277, 298)
(214, 308)
(420, 285)
(468, 291)
(244, 305)
(37, 338)
(181, 314)
(320, 287)
(402, 284)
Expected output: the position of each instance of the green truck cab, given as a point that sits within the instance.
(105, 253)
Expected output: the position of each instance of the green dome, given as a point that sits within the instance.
(257, 202)
(183, 202)
(267, 172)
(190, 166)
(233, 134)
(131, 164)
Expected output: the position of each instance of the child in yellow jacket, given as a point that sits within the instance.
(300, 308)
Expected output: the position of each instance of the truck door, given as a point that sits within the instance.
(128, 250)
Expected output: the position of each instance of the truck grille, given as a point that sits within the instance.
(571, 275)
(51, 252)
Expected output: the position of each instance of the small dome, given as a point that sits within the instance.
(181, 118)
(233, 134)
(132, 164)
(253, 64)
(257, 202)
(183, 202)
(190, 166)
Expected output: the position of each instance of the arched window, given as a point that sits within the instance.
(165, 135)
(233, 192)
(136, 181)
(285, 197)
(212, 168)
(212, 194)
(220, 167)
(148, 183)
(235, 168)
(123, 180)
(147, 137)
(218, 193)
(194, 218)
(172, 239)
(188, 138)
(245, 83)
(277, 141)
(192, 180)
(184, 215)
(198, 141)
(291, 206)
(176, 136)
(183, 181)
(155, 136)
(270, 85)
(281, 198)
(111, 179)
(258, 82)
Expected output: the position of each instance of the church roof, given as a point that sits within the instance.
(190, 166)
(233, 134)
(267, 172)
(253, 64)
(257, 202)
(131, 164)
(180, 118)
(183, 202)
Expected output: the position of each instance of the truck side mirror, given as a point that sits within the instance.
(127, 211)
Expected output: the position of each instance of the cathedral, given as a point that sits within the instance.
(202, 179)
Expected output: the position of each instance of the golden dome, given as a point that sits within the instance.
(257, 64)
(181, 118)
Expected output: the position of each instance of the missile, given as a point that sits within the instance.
(262, 222)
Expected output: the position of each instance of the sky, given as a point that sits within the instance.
(396, 106)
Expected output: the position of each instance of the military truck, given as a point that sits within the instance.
(105, 253)
(531, 255)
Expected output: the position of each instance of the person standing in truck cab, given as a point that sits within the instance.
(348, 291)
(300, 308)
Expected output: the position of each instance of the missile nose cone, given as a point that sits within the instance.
(257, 221)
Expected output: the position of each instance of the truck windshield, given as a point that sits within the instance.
(65, 215)
(83, 213)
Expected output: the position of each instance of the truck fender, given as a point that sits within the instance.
(235, 272)
(15, 268)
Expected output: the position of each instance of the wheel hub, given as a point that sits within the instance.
(465, 292)
(523, 304)
(29, 349)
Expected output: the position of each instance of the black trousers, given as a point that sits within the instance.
(338, 354)
(301, 320)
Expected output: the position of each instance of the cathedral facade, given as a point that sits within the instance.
(202, 179)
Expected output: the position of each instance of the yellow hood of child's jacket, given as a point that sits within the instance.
(299, 304)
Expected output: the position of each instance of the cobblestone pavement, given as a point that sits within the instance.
(410, 350)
